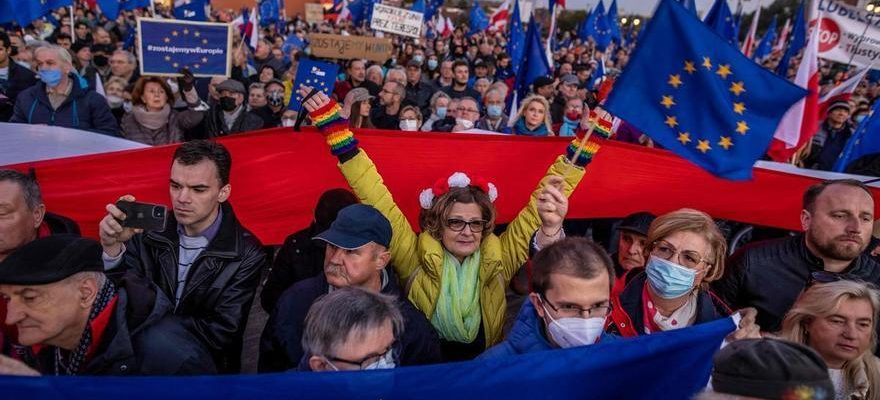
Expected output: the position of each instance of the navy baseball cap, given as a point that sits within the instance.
(637, 223)
(357, 225)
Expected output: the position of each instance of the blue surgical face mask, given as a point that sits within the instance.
(432, 64)
(441, 112)
(668, 279)
(51, 77)
(418, 58)
(494, 110)
(859, 118)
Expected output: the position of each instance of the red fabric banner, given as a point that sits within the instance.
(277, 176)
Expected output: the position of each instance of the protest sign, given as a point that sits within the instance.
(842, 28)
(166, 46)
(396, 20)
(316, 74)
(350, 47)
(314, 13)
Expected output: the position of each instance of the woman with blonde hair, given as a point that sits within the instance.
(456, 269)
(838, 319)
(686, 252)
(533, 118)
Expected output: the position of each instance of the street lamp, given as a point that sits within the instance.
(623, 21)
(636, 21)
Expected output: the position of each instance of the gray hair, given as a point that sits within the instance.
(130, 57)
(60, 52)
(347, 313)
(32, 195)
(491, 92)
(436, 96)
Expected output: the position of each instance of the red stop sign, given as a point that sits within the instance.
(829, 34)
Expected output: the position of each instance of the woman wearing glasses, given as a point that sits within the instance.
(686, 252)
(456, 270)
(838, 320)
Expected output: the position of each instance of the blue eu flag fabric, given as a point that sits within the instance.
(516, 44)
(700, 97)
(478, 19)
(534, 62)
(169, 45)
(268, 12)
(721, 20)
(797, 42)
(767, 42)
(317, 74)
(192, 10)
(865, 141)
(26, 11)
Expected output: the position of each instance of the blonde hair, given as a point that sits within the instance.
(690, 220)
(824, 299)
(540, 99)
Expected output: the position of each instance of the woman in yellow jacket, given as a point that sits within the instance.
(456, 270)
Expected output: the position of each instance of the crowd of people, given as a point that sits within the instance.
(359, 288)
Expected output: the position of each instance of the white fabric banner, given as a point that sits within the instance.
(25, 143)
(396, 20)
(842, 28)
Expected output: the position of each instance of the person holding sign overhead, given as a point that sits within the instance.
(456, 269)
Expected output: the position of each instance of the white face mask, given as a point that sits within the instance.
(386, 362)
(573, 332)
(287, 122)
(408, 125)
(464, 123)
(115, 101)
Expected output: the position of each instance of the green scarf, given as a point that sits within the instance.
(457, 315)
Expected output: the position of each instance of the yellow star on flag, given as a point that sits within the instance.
(197, 34)
(723, 71)
(185, 31)
(675, 80)
(739, 108)
(703, 146)
(707, 63)
(742, 127)
(737, 88)
(684, 138)
(173, 33)
(689, 67)
(726, 142)
(668, 101)
(167, 40)
(671, 121)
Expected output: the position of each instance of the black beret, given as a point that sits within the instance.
(770, 369)
(51, 259)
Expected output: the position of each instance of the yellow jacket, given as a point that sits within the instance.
(418, 258)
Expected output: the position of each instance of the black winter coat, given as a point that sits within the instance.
(299, 258)
(142, 338)
(220, 287)
(20, 78)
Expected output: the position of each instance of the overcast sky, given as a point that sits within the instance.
(646, 7)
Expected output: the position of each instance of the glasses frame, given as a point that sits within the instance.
(579, 310)
(677, 254)
(362, 364)
(481, 224)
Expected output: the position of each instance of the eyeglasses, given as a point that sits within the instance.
(572, 311)
(458, 225)
(687, 258)
(370, 359)
(469, 110)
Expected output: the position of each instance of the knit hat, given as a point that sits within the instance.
(840, 104)
(771, 369)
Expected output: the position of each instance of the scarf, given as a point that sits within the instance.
(520, 129)
(457, 315)
(70, 363)
(569, 127)
(151, 120)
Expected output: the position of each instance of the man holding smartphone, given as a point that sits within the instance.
(204, 259)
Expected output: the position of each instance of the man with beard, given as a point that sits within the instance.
(387, 115)
(459, 87)
(837, 219)
(356, 255)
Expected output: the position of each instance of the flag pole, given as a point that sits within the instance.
(72, 30)
(586, 138)
(858, 44)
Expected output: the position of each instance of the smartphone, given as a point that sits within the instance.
(146, 216)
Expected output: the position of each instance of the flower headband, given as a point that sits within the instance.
(458, 179)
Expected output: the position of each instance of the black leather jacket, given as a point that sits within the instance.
(221, 286)
(770, 275)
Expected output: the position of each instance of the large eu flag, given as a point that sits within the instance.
(169, 45)
(317, 74)
(690, 91)
(25, 12)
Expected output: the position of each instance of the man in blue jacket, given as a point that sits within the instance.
(62, 98)
(570, 298)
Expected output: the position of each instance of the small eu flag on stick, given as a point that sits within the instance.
(316, 74)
